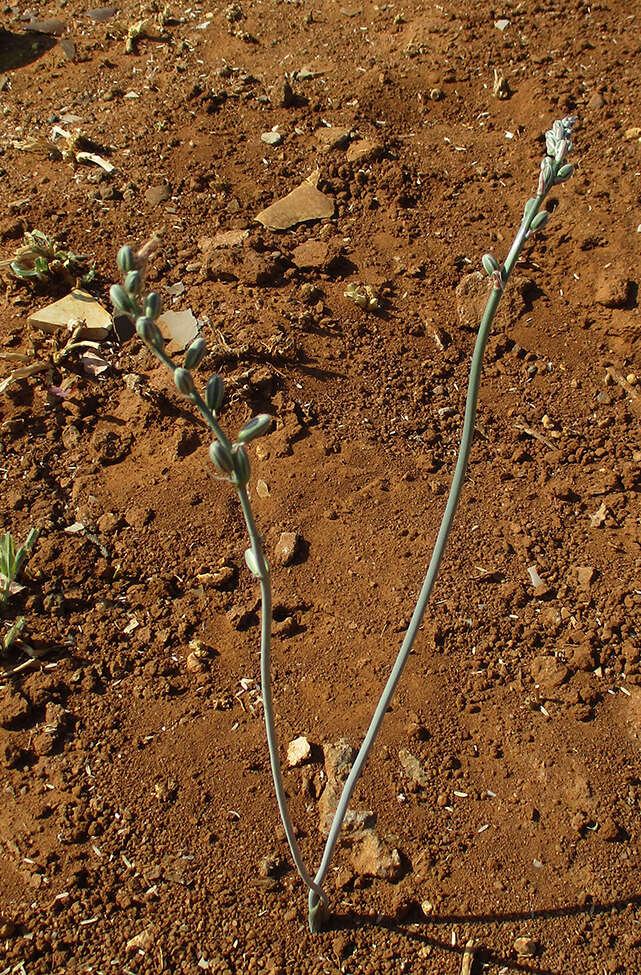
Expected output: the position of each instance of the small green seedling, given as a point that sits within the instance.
(232, 461)
(12, 561)
(41, 258)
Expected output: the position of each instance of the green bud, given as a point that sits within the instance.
(490, 264)
(221, 458)
(133, 283)
(252, 563)
(184, 382)
(125, 259)
(539, 220)
(149, 332)
(195, 353)
(242, 467)
(214, 393)
(256, 427)
(564, 173)
(153, 305)
(121, 301)
(527, 210)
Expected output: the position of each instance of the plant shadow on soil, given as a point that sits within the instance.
(483, 955)
(18, 50)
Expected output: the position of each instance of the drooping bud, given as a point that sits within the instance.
(121, 301)
(133, 283)
(153, 305)
(221, 458)
(214, 393)
(539, 221)
(242, 468)
(256, 427)
(125, 260)
(149, 332)
(564, 173)
(490, 264)
(184, 381)
(252, 563)
(195, 353)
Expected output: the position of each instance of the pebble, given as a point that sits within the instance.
(156, 195)
(271, 138)
(332, 137)
(299, 750)
(549, 673)
(364, 151)
(376, 857)
(633, 133)
(286, 548)
(525, 947)
(596, 101)
(413, 769)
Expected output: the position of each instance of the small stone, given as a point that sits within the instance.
(156, 195)
(502, 24)
(364, 151)
(269, 865)
(582, 657)
(194, 662)
(286, 548)
(71, 437)
(329, 138)
(299, 750)
(525, 947)
(375, 857)
(137, 517)
(437, 95)
(271, 138)
(613, 290)
(609, 830)
(585, 575)
(596, 101)
(413, 769)
(549, 673)
(108, 522)
(141, 942)
(262, 489)
(339, 758)
(632, 133)
(472, 293)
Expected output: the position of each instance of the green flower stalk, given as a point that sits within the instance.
(231, 460)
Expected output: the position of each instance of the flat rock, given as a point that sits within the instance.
(375, 857)
(77, 306)
(181, 325)
(525, 947)
(53, 27)
(271, 138)
(226, 238)
(155, 195)
(472, 293)
(304, 203)
(413, 769)
(101, 14)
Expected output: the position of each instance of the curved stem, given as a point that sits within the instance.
(266, 687)
(467, 436)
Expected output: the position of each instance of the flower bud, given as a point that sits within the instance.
(539, 221)
(214, 393)
(195, 353)
(242, 467)
(490, 264)
(149, 332)
(184, 382)
(125, 259)
(133, 283)
(221, 458)
(153, 305)
(564, 173)
(121, 301)
(256, 427)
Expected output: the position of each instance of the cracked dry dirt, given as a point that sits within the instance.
(138, 825)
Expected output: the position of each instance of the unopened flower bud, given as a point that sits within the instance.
(564, 173)
(490, 264)
(153, 305)
(149, 332)
(195, 353)
(221, 458)
(242, 467)
(539, 221)
(133, 283)
(121, 301)
(125, 259)
(184, 381)
(214, 393)
(255, 428)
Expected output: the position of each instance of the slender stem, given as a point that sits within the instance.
(315, 917)
(266, 685)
